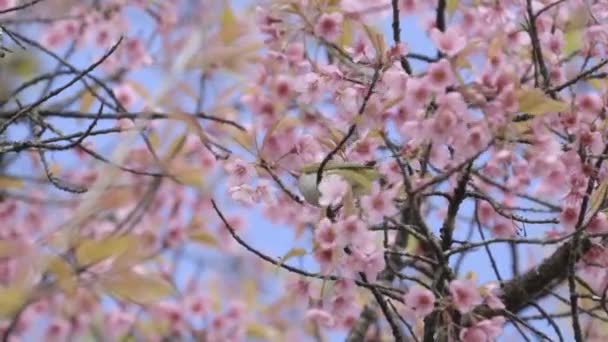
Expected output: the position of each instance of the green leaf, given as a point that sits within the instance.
(12, 298)
(451, 6)
(573, 40)
(90, 252)
(137, 288)
(203, 237)
(294, 252)
(8, 182)
(535, 101)
(598, 197)
(229, 30)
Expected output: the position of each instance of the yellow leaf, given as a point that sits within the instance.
(573, 40)
(346, 39)
(140, 89)
(534, 101)
(285, 121)
(64, 274)
(250, 291)
(114, 198)
(154, 139)
(376, 38)
(596, 83)
(244, 139)
(11, 300)
(203, 237)
(294, 252)
(137, 288)
(229, 30)
(90, 252)
(192, 176)
(86, 101)
(598, 196)
(412, 244)
(175, 147)
(258, 331)
(8, 182)
(451, 6)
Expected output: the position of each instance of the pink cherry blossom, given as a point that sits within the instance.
(326, 234)
(329, 26)
(378, 204)
(126, 95)
(598, 224)
(6, 4)
(465, 295)
(321, 316)
(419, 301)
(449, 42)
(239, 172)
(332, 189)
(440, 76)
(310, 87)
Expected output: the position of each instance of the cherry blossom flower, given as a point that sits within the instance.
(351, 229)
(6, 4)
(310, 87)
(239, 172)
(465, 295)
(484, 331)
(569, 217)
(598, 224)
(332, 189)
(450, 42)
(419, 301)
(379, 204)
(126, 95)
(439, 76)
(503, 228)
(321, 316)
(136, 53)
(329, 26)
(325, 234)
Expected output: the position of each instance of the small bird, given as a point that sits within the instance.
(360, 177)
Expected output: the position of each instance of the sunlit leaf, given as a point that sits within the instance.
(598, 196)
(203, 237)
(346, 38)
(154, 139)
(140, 89)
(137, 288)
(229, 29)
(175, 147)
(8, 182)
(250, 291)
(258, 331)
(114, 198)
(86, 101)
(451, 6)
(90, 252)
(574, 29)
(285, 121)
(573, 40)
(294, 252)
(244, 139)
(188, 175)
(64, 274)
(11, 300)
(535, 101)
